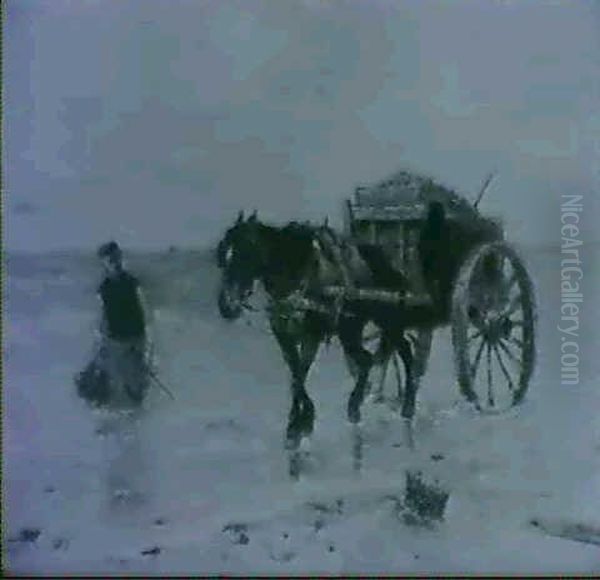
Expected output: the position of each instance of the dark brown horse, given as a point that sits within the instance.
(294, 264)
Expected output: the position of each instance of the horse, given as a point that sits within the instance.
(299, 261)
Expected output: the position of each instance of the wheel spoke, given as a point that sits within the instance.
(491, 402)
(507, 262)
(381, 355)
(475, 336)
(397, 368)
(473, 369)
(516, 341)
(506, 289)
(511, 282)
(515, 302)
(509, 353)
(504, 369)
(384, 368)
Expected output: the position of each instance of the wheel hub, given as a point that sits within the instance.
(496, 327)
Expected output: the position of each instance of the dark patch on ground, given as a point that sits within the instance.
(237, 533)
(60, 544)
(27, 535)
(325, 512)
(425, 503)
(336, 507)
(229, 424)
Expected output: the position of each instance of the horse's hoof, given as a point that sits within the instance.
(353, 415)
(408, 411)
(408, 434)
(307, 427)
(292, 440)
(295, 466)
(395, 404)
(379, 399)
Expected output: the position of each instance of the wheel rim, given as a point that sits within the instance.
(493, 328)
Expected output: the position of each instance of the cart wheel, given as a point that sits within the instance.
(388, 372)
(493, 328)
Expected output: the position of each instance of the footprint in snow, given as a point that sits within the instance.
(60, 544)
(225, 424)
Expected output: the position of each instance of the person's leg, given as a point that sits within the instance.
(135, 372)
(120, 371)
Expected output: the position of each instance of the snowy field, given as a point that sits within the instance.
(208, 473)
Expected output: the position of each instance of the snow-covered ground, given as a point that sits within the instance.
(211, 492)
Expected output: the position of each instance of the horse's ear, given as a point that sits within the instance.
(240, 217)
(253, 217)
(326, 221)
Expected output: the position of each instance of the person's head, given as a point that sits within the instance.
(111, 256)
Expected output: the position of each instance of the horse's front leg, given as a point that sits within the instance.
(299, 348)
(309, 347)
(360, 362)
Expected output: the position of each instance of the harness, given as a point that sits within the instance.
(330, 248)
(329, 257)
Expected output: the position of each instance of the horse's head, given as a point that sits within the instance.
(239, 255)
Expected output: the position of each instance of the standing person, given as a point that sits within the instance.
(123, 332)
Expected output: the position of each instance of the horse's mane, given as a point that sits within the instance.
(291, 246)
(298, 230)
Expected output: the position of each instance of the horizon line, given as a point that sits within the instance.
(208, 247)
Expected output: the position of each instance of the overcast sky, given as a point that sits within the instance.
(154, 121)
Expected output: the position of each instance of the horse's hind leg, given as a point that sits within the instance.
(412, 386)
(382, 358)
